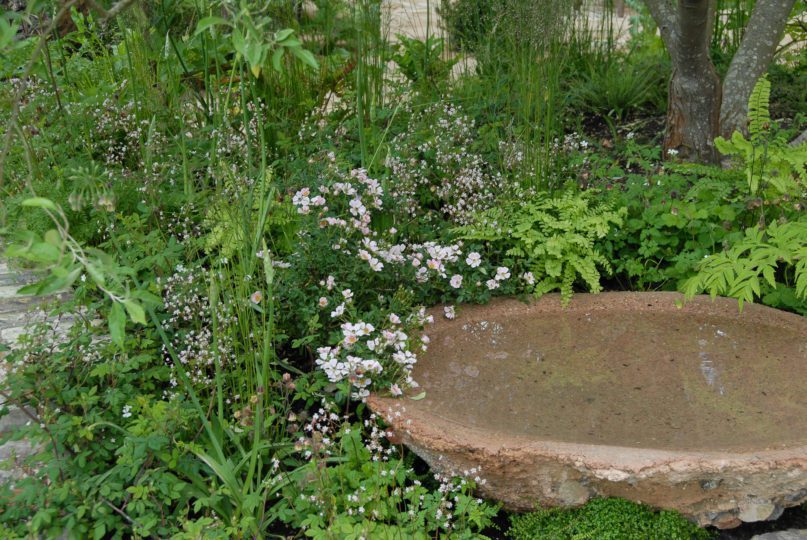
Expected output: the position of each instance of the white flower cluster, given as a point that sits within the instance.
(319, 432)
(190, 324)
(502, 273)
(443, 166)
(365, 351)
(354, 368)
(451, 485)
(364, 193)
(343, 362)
(356, 358)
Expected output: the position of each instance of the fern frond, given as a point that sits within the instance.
(759, 115)
(741, 271)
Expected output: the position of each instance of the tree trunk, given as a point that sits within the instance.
(692, 116)
(699, 109)
(751, 60)
(694, 100)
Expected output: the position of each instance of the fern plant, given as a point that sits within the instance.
(242, 211)
(755, 263)
(769, 161)
(554, 238)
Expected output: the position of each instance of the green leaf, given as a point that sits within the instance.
(209, 22)
(239, 43)
(135, 310)
(767, 272)
(147, 297)
(281, 35)
(254, 53)
(418, 397)
(117, 324)
(32, 288)
(305, 56)
(54, 238)
(43, 252)
(40, 202)
(277, 56)
(268, 269)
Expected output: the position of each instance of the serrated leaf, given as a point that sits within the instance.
(767, 272)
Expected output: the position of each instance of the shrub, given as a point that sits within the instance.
(437, 174)
(468, 21)
(554, 239)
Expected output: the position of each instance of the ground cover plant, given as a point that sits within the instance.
(605, 518)
(251, 205)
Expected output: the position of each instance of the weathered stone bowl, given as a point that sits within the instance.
(700, 408)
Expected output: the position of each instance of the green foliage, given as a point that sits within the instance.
(674, 220)
(605, 519)
(371, 496)
(210, 202)
(423, 61)
(767, 263)
(619, 88)
(106, 435)
(759, 116)
(65, 259)
(263, 213)
(770, 264)
(554, 238)
(772, 166)
(253, 39)
(469, 22)
(788, 99)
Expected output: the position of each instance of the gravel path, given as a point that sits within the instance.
(15, 312)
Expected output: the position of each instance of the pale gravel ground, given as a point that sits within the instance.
(414, 17)
(419, 19)
(14, 314)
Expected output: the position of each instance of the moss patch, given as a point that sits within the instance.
(605, 519)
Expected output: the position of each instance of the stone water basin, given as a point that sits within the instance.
(699, 408)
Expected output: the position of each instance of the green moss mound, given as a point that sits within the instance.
(605, 519)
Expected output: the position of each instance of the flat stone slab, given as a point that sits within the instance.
(16, 312)
(699, 408)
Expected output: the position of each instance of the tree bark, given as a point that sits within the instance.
(667, 21)
(694, 100)
(764, 31)
(699, 107)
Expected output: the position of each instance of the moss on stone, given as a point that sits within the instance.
(605, 519)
